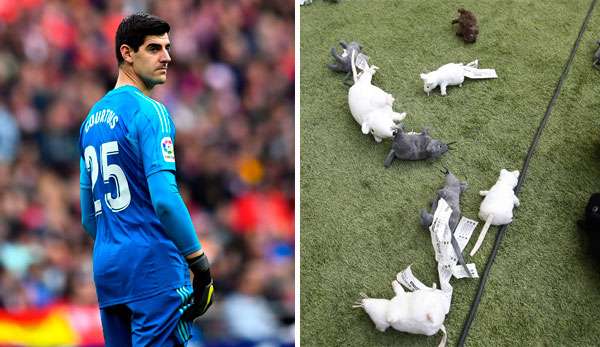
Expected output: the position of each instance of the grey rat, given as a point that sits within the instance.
(596, 63)
(451, 193)
(342, 61)
(415, 146)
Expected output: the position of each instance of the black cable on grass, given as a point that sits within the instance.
(530, 152)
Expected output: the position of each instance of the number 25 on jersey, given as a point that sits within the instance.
(108, 171)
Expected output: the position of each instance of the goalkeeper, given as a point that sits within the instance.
(145, 243)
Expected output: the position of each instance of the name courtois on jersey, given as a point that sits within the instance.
(106, 115)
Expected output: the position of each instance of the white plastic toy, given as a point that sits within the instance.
(454, 74)
(447, 75)
(370, 106)
(420, 312)
(497, 206)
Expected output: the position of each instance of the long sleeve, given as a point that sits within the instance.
(88, 220)
(172, 212)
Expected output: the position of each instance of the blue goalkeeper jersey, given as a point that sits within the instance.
(125, 138)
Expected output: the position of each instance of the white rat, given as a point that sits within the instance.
(497, 206)
(370, 106)
(420, 312)
(447, 75)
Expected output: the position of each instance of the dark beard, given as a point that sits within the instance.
(150, 83)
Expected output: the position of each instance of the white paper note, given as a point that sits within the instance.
(464, 230)
(474, 73)
(362, 61)
(409, 281)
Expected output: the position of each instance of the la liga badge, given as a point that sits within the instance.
(168, 152)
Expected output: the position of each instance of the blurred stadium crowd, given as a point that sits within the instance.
(230, 91)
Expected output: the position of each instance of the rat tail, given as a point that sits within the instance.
(359, 303)
(486, 226)
(444, 338)
(352, 57)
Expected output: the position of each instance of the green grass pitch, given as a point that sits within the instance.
(359, 221)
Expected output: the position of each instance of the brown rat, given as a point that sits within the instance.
(467, 25)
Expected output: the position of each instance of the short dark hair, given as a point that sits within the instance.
(133, 31)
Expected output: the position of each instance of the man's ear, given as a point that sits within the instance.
(127, 53)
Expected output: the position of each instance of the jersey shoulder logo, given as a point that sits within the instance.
(168, 152)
